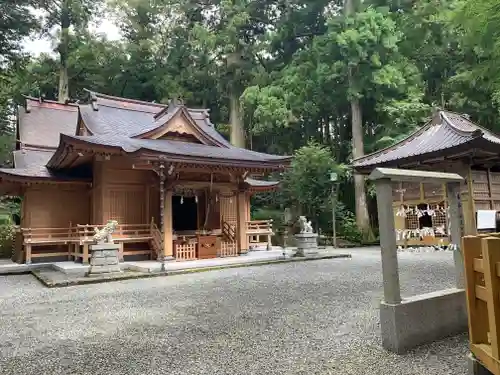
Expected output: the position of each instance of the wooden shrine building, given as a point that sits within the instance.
(449, 142)
(176, 187)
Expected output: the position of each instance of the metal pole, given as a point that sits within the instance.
(334, 226)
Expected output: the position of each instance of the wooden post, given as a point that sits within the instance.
(477, 311)
(85, 257)
(390, 272)
(241, 223)
(28, 253)
(455, 228)
(472, 227)
(120, 252)
(491, 256)
(167, 226)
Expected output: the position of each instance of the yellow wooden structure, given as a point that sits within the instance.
(482, 272)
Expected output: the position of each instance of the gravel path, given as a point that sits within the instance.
(317, 317)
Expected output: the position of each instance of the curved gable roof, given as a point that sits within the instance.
(446, 131)
(132, 118)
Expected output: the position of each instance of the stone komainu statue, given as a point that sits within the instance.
(103, 235)
(305, 226)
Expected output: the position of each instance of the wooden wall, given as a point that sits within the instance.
(55, 206)
(132, 196)
(121, 193)
(228, 209)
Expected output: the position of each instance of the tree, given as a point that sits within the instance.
(16, 22)
(307, 182)
(64, 14)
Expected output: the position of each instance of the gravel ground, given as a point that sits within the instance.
(317, 317)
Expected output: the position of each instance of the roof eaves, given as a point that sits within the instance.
(125, 100)
(384, 150)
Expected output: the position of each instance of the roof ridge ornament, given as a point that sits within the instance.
(436, 115)
(93, 99)
(477, 133)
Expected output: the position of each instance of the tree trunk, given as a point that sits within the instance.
(63, 94)
(237, 137)
(362, 218)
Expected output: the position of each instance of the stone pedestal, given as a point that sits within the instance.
(306, 243)
(105, 258)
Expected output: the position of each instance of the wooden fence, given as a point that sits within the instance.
(482, 272)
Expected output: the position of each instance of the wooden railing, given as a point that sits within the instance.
(228, 231)
(48, 235)
(32, 237)
(259, 233)
(260, 226)
(122, 233)
(482, 272)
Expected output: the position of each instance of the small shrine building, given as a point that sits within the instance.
(449, 142)
(176, 187)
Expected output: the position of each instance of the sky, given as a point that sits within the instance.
(35, 46)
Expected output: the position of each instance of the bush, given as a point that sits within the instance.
(7, 235)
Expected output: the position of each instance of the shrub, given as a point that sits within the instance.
(7, 235)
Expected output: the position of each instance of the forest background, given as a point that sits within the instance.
(326, 81)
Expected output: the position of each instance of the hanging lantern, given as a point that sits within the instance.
(182, 199)
(196, 198)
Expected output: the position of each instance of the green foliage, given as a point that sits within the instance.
(7, 235)
(307, 182)
(289, 63)
(17, 22)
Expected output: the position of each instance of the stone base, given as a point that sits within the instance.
(423, 319)
(474, 367)
(307, 243)
(104, 259)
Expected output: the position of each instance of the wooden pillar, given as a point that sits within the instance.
(455, 229)
(471, 228)
(165, 216)
(241, 222)
(85, 255)
(390, 271)
(28, 253)
(167, 226)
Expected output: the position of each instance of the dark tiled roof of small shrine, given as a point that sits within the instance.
(41, 122)
(27, 158)
(172, 149)
(131, 118)
(31, 164)
(446, 132)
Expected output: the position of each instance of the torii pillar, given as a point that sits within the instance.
(406, 323)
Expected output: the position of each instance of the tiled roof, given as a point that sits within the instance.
(447, 130)
(131, 118)
(113, 122)
(31, 164)
(264, 185)
(179, 149)
(26, 158)
(44, 121)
